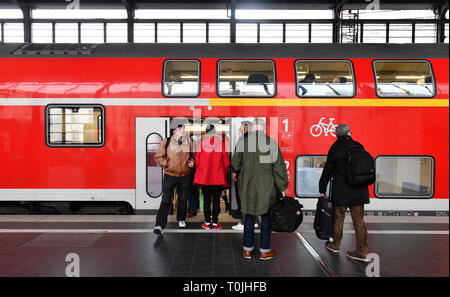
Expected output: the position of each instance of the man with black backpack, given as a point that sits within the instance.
(351, 170)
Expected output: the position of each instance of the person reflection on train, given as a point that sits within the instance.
(212, 165)
(175, 156)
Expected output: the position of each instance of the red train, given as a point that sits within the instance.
(81, 123)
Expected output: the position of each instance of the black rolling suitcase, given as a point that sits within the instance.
(323, 220)
(285, 215)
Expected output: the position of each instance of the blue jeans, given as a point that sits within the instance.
(249, 233)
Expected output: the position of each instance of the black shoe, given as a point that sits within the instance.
(158, 230)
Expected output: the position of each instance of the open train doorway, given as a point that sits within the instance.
(150, 132)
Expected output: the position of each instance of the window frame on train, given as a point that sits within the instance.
(296, 187)
(433, 178)
(146, 165)
(84, 145)
(352, 68)
(275, 89)
(430, 65)
(199, 85)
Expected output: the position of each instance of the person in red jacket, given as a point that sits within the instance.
(212, 164)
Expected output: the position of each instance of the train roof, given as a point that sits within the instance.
(335, 50)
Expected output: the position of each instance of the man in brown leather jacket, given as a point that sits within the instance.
(176, 161)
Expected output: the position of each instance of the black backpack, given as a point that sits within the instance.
(286, 214)
(359, 167)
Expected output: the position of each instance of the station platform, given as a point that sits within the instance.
(125, 246)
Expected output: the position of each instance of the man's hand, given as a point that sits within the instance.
(322, 195)
(164, 163)
(283, 193)
(235, 177)
(191, 163)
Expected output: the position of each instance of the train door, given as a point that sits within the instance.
(150, 132)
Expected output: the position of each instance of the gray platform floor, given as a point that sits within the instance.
(125, 246)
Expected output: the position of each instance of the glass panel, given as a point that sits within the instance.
(154, 172)
(168, 33)
(66, 33)
(13, 32)
(246, 79)
(322, 33)
(181, 78)
(92, 33)
(297, 33)
(79, 13)
(280, 14)
(309, 169)
(75, 125)
(404, 79)
(219, 33)
(400, 33)
(425, 33)
(246, 33)
(41, 33)
(194, 33)
(404, 176)
(374, 33)
(181, 14)
(271, 33)
(116, 33)
(325, 79)
(144, 33)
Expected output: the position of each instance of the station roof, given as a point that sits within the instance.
(240, 4)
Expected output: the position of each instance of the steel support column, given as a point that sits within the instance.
(337, 20)
(130, 20)
(440, 16)
(233, 21)
(26, 11)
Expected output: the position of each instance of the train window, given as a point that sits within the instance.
(404, 176)
(181, 78)
(154, 172)
(325, 78)
(404, 79)
(307, 175)
(246, 78)
(75, 125)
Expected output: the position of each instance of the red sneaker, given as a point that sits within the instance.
(216, 226)
(206, 226)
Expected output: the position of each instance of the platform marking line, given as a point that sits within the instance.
(323, 265)
(150, 230)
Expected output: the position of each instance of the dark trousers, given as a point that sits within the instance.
(169, 183)
(357, 213)
(211, 192)
(249, 233)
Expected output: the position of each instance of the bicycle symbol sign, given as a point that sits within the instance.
(317, 129)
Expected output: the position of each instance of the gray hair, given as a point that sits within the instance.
(342, 130)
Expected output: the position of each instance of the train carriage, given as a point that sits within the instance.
(80, 124)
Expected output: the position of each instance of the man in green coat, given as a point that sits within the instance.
(262, 174)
